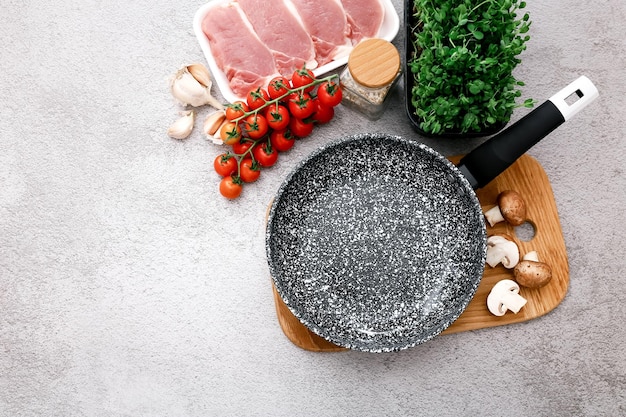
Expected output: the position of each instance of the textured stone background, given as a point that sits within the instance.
(129, 287)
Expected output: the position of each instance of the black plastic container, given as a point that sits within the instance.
(409, 22)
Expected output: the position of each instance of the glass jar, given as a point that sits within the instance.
(372, 71)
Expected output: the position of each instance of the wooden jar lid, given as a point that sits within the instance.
(374, 63)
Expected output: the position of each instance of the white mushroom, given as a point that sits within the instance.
(501, 249)
(510, 207)
(505, 296)
(531, 273)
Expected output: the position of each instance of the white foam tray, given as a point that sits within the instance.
(388, 31)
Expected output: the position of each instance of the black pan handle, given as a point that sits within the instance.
(495, 155)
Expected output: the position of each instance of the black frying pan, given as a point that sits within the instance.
(378, 243)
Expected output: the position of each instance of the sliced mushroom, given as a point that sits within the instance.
(505, 296)
(502, 249)
(531, 273)
(511, 208)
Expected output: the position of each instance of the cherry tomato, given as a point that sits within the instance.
(329, 93)
(265, 155)
(236, 110)
(257, 98)
(230, 133)
(277, 116)
(302, 77)
(301, 106)
(323, 114)
(278, 87)
(240, 147)
(249, 170)
(282, 140)
(299, 127)
(225, 164)
(255, 126)
(230, 187)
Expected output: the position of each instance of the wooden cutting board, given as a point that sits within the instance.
(527, 177)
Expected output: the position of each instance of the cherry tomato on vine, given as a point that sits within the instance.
(257, 98)
(255, 126)
(265, 155)
(329, 93)
(249, 170)
(230, 133)
(277, 87)
(240, 147)
(225, 164)
(300, 128)
(301, 105)
(282, 140)
(236, 110)
(323, 114)
(230, 187)
(302, 77)
(277, 116)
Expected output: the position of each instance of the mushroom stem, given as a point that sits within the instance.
(494, 216)
(512, 301)
(531, 256)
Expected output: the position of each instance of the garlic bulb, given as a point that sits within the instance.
(182, 127)
(191, 85)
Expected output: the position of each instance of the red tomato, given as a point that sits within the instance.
(230, 133)
(230, 187)
(255, 126)
(300, 128)
(257, 98)
(240, 147)
(282, 140)
(277, 116)
(301, 106)
(225, 164)
(236, 110)
(265, 155)
(278, 87)
(302, 77)
(329, 93)
(249, 170)
(323, 114)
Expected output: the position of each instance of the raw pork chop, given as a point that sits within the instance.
(365, 17)
(237, 50)
(326, 22)
(283, 34)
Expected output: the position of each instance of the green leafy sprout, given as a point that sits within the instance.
(465, 52)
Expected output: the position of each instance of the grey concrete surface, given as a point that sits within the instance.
(129, 287)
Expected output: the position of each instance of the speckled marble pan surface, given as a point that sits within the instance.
(376, 243)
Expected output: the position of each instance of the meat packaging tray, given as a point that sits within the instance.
(388, 31)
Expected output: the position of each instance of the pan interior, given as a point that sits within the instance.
(376, 243)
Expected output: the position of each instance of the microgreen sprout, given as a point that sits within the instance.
(463, 58)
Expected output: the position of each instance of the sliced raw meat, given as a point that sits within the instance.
(237, 50)
(327, 24)
(281, 30)
(365, 17)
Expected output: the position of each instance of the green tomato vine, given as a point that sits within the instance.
(463, 62)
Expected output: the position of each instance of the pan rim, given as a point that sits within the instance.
(420, 147)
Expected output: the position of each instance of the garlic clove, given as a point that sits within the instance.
(189, 91)
(217, 137)
(201, 74)
(213, 122)
(182, 127)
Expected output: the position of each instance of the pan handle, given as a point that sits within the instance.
(495, 155)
